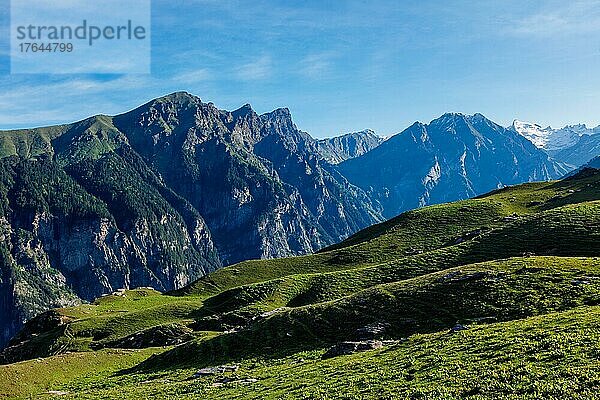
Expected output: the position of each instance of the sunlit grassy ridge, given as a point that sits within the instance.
(492, 291)
(509, 264)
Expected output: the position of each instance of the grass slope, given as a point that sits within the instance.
(37, 377)
(554, 356)
(510, 264)
(564, 220)
(492, 291)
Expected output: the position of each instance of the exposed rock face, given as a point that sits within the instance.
(346, 348)
(256, 179)
(454, 157)
(75, 233)
(158, 197)
(341, 148)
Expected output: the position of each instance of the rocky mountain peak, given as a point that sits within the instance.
(246, 109)
(479, 118)
(460, 118)
(280, 116)
(282, 112)
(181, 97)
(453, 157)
(449, 121)
(449, 117)
(341, 148)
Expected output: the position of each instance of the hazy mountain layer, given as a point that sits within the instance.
(454, 157)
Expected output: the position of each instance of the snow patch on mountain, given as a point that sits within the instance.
(553, 139)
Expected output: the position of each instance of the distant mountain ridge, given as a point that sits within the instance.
(454, 157)
(341, 148)
(553, 139)
(573, 144)
(594, 163)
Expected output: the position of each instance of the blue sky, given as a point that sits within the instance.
(343, 66)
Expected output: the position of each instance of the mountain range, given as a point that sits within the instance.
(175, 189)
(574, 144)
(160, 196)
(454, 157)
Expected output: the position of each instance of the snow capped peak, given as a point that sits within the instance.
(552, 139)
(526, 125)
(533, 132)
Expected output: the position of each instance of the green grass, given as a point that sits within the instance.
(114, 317)
(554, 356)
(34, 378)
(491, 291)
(520, 266)
(29, 143)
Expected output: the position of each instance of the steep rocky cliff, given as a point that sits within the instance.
(159, 197)
(256, 179)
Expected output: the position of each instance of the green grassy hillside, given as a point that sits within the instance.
(553, 356)
(520, 267)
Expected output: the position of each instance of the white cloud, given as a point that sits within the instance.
(316, 65)
(189, 77)
(577, 17)
(260, 68)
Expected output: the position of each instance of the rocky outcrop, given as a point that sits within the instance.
(346, 348)
(372, 331)
(162, 335)
(38, 338)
